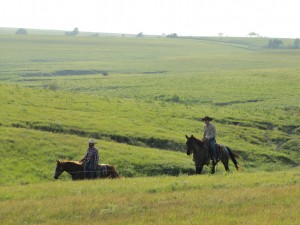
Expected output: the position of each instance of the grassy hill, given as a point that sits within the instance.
(156, 91)
(139, 97)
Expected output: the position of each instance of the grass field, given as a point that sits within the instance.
(139, 97)
(237, 198)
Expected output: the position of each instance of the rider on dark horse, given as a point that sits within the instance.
(90, 160)
(210, 137)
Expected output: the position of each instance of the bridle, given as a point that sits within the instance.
(58, 171)
(189, 144)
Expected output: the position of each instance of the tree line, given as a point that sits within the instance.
(277, 43)
(273, 43)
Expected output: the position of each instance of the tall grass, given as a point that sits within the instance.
(238, 198)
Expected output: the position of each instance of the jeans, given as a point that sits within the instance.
(212, 144)
(89, 169)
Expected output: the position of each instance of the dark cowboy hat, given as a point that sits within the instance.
(207, 118)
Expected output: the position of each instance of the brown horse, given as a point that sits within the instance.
(76, 170)
(201, 154)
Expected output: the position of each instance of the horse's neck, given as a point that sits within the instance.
(200, 148)
(72, 167)
(205, 145)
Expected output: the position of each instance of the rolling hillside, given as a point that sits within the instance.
(139, 97)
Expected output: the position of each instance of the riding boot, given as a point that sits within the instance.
(85, 171)
(212, 143)
(91, 170)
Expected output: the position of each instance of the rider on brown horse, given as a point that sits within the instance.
(90, 160)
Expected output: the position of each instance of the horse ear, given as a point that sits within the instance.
(192, 136)
(186, 137)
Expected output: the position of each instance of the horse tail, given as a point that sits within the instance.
(233, 157)
(113, 172)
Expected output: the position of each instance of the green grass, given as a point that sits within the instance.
(238, 198)
(56, 125)
(29, 156)
(54, 97)
(156, 92)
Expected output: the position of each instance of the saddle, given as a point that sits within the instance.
(101, 169)
(220, 149)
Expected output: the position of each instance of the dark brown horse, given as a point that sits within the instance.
(201, 154)
(75, 169)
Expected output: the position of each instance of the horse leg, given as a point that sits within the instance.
(226, 167)
(225, 163)
(98, 172)
(213, 168)
(199, 169)
(114, 172)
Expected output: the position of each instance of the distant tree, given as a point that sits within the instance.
(253, 34)
(296, 43)
(275, 43)
(220, 34)
(172, 35)
(140, 34)
(21, 31)
(72, 33)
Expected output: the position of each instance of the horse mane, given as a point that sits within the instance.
(198, 141)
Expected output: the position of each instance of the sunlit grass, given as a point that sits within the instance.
(56, 125)
(239, 198)
(54, 97)
(156, 92)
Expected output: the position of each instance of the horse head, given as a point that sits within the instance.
(192, 143)
(58, 170)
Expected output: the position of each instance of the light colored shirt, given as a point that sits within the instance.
(209, 131)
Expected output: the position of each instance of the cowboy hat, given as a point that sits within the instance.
(207, 118)
(92, 141)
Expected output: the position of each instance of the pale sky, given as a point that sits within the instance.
(270, 18)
